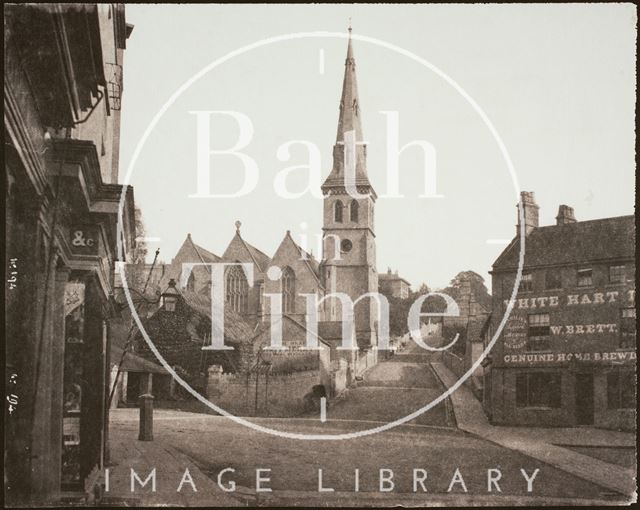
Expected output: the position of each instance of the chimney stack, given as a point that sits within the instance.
(530, 210)
(565, 215)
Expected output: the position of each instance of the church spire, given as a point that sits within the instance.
(349, 119)
(349, 107)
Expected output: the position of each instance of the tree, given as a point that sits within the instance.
(478, 288)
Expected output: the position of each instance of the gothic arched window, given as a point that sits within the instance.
(354, 210)
(337, 211)
(237, 290)
(191, 282)
(288, 290)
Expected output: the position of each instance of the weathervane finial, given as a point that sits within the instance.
(349, 25)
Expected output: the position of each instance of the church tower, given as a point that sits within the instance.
(349, 249)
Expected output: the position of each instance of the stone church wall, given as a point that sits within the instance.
(306, 283)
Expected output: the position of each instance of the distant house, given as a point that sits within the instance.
(391, 284)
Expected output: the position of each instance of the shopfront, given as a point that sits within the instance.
(566, 358)
(58, 313)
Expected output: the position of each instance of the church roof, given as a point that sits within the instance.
(348, 120)
(308, 258)
(260, 259)
(204, 254)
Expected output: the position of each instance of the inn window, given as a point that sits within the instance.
(237, 289)
(337, 211)
(616, 274)
(552, 280)
(538, 332)
(621, 389)
(526, 282)
(627, 328)
(538, 389)
(631, 273)
(353, 210)
(288, 290)
(585, 277)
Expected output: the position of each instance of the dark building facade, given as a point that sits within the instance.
(567, 354)
(62, 117)
(391, 284)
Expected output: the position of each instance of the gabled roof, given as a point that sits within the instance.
(134, 363)
(189, 252)
(573, 243)
(309, 261)
(204, 254)
(260, 259)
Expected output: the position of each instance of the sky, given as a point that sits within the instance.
(556, 81)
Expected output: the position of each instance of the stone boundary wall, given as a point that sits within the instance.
(454, 363)
(277, 394)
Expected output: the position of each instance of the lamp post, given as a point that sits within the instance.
(170, 297)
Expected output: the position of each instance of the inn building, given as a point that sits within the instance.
(62, 92)
(567, 354)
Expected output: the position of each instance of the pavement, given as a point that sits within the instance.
(394, 388)
(542, 443)
(206, 444)
(128, 455)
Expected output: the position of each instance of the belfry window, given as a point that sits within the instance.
(237, 290)
(337, 211)
(353, 210)
(288, 290)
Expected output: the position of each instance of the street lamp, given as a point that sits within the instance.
(170, 297)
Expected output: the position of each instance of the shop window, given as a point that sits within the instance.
(552, 280)
(621, 390)
(526, 282)
(538, 389)
(74, 308)
(631, 273)
(627, 328)
(538, 332)
(585, 278)
(616, 274)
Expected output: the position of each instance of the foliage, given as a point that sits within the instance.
(478, 288)
(449, 331)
